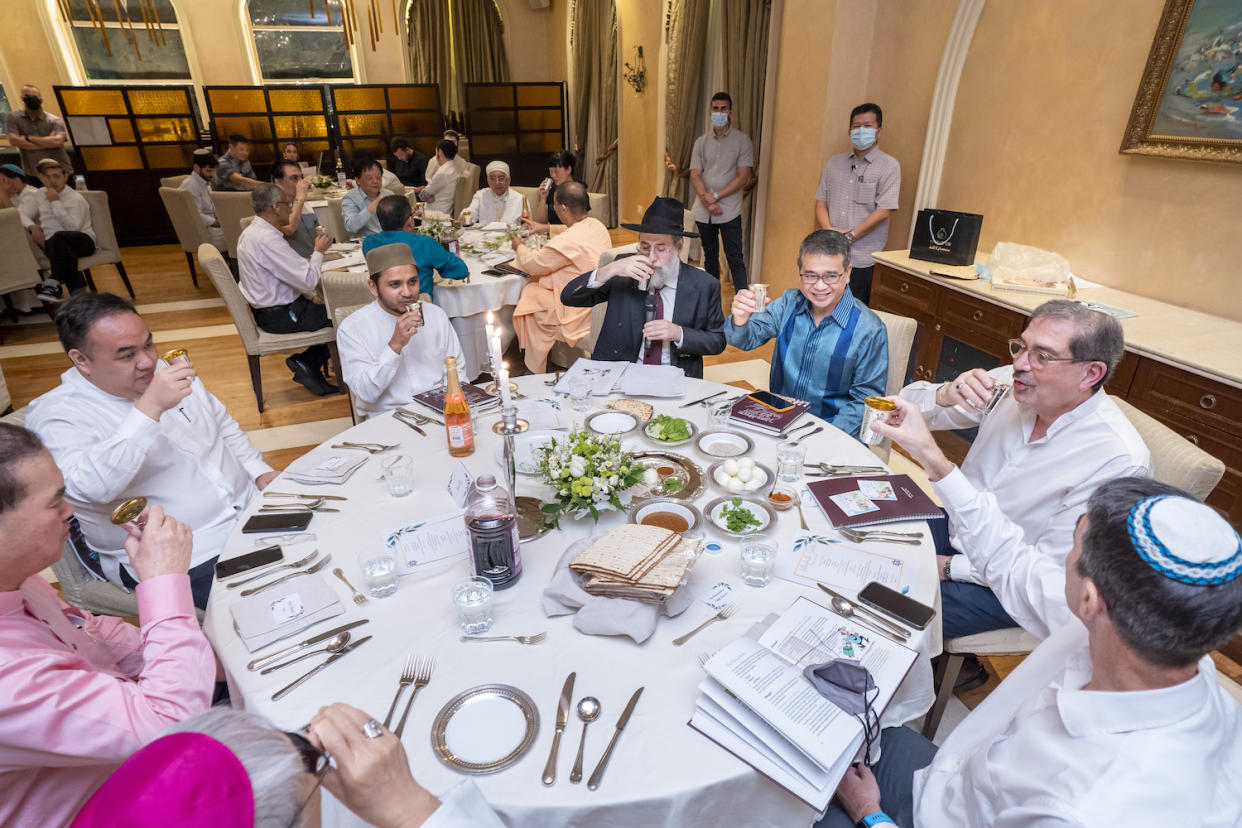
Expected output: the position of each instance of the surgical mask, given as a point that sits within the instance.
(848, 685)
(862, 137)
(720, 120)
(32, 102)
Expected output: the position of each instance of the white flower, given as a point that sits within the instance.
(577, 466)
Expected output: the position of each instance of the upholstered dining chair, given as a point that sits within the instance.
(337, 315)
(901, 331)
(173, 181)
(334, 221)
(187, 224)
(531, 194)
(231, 208)
(467, 186)
(107, 249)
(599, 208)
(19, 269)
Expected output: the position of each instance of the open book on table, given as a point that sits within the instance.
(756, 703)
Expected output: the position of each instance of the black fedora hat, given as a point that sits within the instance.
(665, 217)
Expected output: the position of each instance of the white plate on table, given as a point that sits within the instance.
(525, 450)
(689, 425)
(485, 729)
(724, 444)
(612, 423)
(762, 512)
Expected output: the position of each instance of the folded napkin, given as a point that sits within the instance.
(285, 610)
(596, 615)
(319, 470)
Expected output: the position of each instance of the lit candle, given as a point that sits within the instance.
(489, 329)
(502, 380)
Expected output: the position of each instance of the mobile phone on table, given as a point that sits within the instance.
(899, 607)
(251, 560)
(277, 522)
(772, 401)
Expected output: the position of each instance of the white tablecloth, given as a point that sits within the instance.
(662, 772)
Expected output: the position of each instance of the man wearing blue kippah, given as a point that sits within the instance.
(1117, 718)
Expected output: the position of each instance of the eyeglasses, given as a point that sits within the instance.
(315, 761)
(827, 278)
(660, 249)
(1038, 359)
(286, 203)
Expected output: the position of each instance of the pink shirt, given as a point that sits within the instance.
(74, 703)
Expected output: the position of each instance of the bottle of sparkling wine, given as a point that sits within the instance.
(457, 414)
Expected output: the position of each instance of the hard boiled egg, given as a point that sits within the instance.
(730, 467)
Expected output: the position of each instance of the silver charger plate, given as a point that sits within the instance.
(670, 443)
(533, 523)
(756, 506)
(462, 701)
(685, 470)
(611, 423)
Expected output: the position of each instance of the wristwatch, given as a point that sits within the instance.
(878, 818)
(945, 569)
(849, 236)
(715, 195)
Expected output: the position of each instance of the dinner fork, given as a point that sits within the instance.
(295, 565)
(878, 538)
(422, 677)
(521, 639)
(407, 678)
(724, 614)
(370, 448)
(421, 419)
(309, 571)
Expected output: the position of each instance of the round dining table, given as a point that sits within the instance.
(662, 772)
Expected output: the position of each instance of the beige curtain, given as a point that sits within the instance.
(687, 42)
(745, 46)
(455, 42)
(593, 50)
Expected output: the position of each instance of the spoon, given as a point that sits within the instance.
(334, 645)
(846, 609)
(588, 711)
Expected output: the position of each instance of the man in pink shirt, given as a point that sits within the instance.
(79, 693)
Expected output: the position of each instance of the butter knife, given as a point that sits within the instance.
(287, 689)
(598, 773)
(703, 400)
(562, 719)
(263, 661)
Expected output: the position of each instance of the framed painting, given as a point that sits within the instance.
(1189, 103)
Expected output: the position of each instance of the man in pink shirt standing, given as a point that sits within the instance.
(79, 693)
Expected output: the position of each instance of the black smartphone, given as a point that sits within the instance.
(277, 522)
(244, 563)
(895, 605)
(772, 401)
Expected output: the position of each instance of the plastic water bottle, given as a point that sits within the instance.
(491, 520)
(79, 183)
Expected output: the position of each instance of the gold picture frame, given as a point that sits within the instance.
(1183, 108)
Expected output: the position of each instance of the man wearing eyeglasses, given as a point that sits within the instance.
(299, 228)
(831, 350)
(661, 311)
(1040, 452)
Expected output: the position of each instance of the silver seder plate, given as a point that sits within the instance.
(475, 697)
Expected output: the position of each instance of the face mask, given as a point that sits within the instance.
(720, 120)
(862, 137)
(848, 685)
(32, 102)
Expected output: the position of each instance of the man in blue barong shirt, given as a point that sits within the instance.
(831, 350)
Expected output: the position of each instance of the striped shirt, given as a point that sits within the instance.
(854, 188)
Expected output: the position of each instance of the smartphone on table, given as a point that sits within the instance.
(277, 522)
(252, 560)
(899, 607)
(770, 400)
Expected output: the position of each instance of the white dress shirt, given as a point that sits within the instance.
(379, 378)
(487, 207)
(440, 190)
(1012, 489)
(457, 163)
(70, 211)
(272, 272)
(200, 190)
(196, 462)
(1041, 751)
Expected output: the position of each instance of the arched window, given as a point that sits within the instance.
(127, 40)
(299, 40)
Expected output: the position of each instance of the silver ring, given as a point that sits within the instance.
(373, 729)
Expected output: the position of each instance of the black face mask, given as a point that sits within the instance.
(849, 685)
(33, 102)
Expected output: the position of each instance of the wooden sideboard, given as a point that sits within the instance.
(1196, 393)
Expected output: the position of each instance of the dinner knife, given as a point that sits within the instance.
(287, 689)
(308, 496)
(598, 773)
(858, 608)
(696, 402)
(562, 719)
(263, 661)
(410, 423)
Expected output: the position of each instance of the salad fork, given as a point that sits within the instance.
(521, 639)
(309, 571)
(723, 615)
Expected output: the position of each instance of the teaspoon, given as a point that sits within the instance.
(588, 711)
(846, 609)
(334, 645)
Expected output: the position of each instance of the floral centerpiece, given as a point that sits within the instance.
(588, 473)
(431, 227)
(323, 182)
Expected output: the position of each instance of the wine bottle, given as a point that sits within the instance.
(457, 413)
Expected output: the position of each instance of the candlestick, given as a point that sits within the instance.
(502, 382)
(509, 422)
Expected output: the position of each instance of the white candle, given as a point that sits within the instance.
(489, 329)
(502, 381)
(497, 351)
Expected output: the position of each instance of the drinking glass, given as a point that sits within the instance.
(379, 571)
(473, 599)
(790, 456)
(758, 560)
(718, 413)
(580, 392)
(399, 475)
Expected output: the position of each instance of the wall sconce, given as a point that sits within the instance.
(636, 74)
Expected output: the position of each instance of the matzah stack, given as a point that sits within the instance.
(637, 562)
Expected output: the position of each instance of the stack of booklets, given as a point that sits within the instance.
(750, 413)
(756, 703)
(476, 398)
(865, 501)
(320, 470)
(637, 562)
(605, 375)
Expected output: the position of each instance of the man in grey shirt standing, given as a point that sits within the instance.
(37, 133)
(720, 167)
(857, 194)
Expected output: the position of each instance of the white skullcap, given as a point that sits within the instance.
(1185, 540)
(498, 165)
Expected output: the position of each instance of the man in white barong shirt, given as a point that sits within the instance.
(390, 350)
(441, 185)
(497, 202)
(124, 424)
(1117, 718)
(198, 185)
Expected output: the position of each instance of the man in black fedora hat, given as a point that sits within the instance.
(661, 311)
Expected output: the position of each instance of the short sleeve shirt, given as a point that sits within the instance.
(19, 122)
(854, 188)
(228, 166)
(717, 158)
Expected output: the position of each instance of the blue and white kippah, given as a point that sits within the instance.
(1185, 540)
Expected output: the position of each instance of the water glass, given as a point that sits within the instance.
(473, 599)
(379, 571)
(718, 412)
(399, 475)
(580, 392)
(758, 561)
(790, 456)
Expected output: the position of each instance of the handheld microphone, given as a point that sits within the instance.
(649, 309)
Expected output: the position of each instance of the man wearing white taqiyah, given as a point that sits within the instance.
(497, 202)
(388, 353)
(1117, 718)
